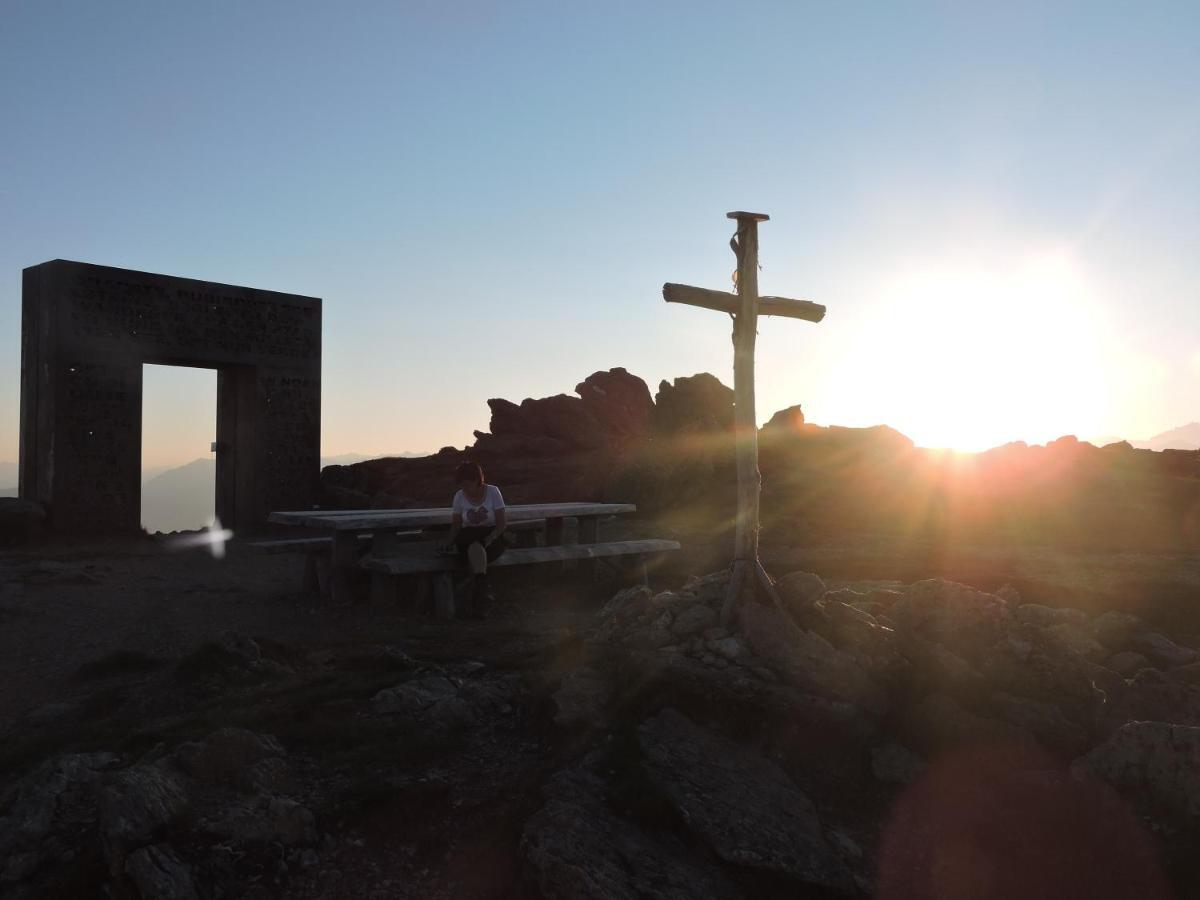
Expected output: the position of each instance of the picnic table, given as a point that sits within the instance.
(359, 538)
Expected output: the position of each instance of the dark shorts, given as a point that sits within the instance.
(476, 533)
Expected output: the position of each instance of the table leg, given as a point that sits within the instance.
(554, 538)
(638, 568)
(383, 589)
(589, 533)
(311, 583)
(443, 595)
(341, 576)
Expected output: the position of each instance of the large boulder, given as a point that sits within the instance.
(223, 754)
(581, 699)
(1189, 674)
(1045, 616)
(939, 724)
(1127, 662)
(47, 812)
(619, 401)
(1115, 629)
(786, 421)
(1031, 662)
(1154, 696)
(231, 756)
(138, 802)
(577, 848)
(1043, 720)
(1079, 638)
(1153, 760)
(431, 701)
(799, 591)
(266, 818)
(159, 874)
(560, 417)
(805, 659)
(699, 403)
(933, 667)
(958, 616)
(1164, 651)
(517, 445)
(508, 418)
(741, 804)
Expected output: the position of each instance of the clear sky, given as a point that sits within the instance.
(997, 202)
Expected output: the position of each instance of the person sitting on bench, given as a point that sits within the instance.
(477, 527)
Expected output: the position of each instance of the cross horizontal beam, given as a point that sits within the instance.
(725, 302)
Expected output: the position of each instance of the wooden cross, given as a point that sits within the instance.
(745, 307)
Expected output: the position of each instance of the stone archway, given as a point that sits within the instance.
(86, 332)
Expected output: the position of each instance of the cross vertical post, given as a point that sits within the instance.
(745, 307)
(745, 425)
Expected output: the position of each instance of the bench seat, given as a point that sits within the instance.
(296, 545)
(421, 564)
(387, 570)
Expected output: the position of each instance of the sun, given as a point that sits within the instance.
(968, 357)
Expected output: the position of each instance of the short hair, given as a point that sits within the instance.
(468, 471)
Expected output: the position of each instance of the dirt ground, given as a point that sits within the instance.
(132, 647)
(63, 606)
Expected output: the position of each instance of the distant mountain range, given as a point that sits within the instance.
(1185, 437)
(179, 498)
(8, 479)
(183, 498)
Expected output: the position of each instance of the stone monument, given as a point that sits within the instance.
(86, 332)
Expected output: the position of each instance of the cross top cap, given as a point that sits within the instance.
(754, 217)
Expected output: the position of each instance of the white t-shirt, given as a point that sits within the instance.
(482, 514)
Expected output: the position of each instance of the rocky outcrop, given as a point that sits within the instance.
(81, 818)
(594, 446)
(138, 803)
(673, 455)
(680, 629)
(51, 817)
(159, 874)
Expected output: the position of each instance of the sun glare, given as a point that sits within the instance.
(968, 357)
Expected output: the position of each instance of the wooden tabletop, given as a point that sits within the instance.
(386, 519)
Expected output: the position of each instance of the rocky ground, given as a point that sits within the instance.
(177, 726)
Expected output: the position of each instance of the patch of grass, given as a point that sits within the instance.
(119, 662)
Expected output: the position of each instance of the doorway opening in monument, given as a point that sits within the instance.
(179, 426)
